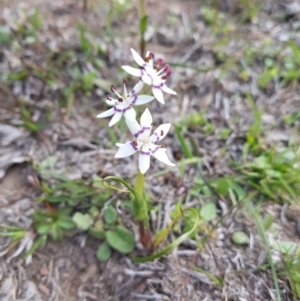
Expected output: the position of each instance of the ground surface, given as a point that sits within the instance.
(180, 33)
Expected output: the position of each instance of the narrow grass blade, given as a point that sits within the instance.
(175, 243)
(261, 230)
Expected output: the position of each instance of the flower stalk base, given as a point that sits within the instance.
(145, 234)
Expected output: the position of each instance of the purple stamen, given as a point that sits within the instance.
(145, 153)
(126, 109)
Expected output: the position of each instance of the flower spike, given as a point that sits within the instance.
(151, 74)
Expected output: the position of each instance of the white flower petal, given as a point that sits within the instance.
(157, 92)
(168, 90)
(144, 159)
(126, 150)
(160, 132)
(125, 89)
(161, 155)
(119, 144)
(112, 102)
(146, 124)
(137, 57)
(134, 127)
(132, 71)
(106, 113)
(150, 63)
(129, 113)
(137, 88)
(147, 79)
(116, 118)
(146, 118)
(141, 99)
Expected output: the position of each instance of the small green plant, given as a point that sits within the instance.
(274, 175)
(53, 222)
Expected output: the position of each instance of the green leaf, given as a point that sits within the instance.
(208, 212)
(185, 148)
(104, 252)
(84, 43)
(296, 51)
(143, 24)
(97, 230)
(286, 247)
(176, 242)
(48, 163)
(93, 211)
(240, 238)
(268, 221)
(40, 242)
(65, 222)
(43, 228)
(56, 233)
(121, 239)
(97, 181)
(83, 221)
(110, 215)
(4, 35)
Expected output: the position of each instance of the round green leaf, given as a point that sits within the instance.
(121, 240)
(82, 221)
(104, 252)
(97, 230)
(110, 215)
(208, 212)
(240, 238)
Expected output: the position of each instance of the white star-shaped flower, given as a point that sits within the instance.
(145, 143)
(123, 105)
(151, 74)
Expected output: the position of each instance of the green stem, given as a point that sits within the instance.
(140, 191)
(140, 184)
(145, 234)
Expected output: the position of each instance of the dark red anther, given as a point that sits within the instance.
(124, 81)
(159, 62)
(151, 55)
(167, 68)
(164, 77)
(112, 89)
(120, 99)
